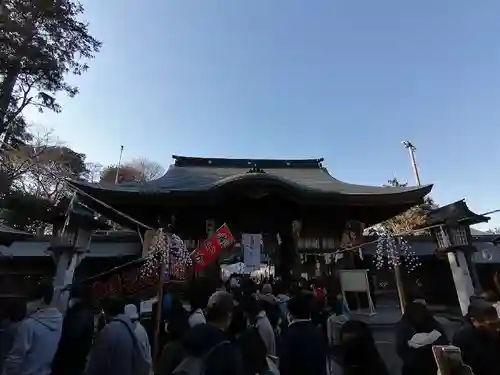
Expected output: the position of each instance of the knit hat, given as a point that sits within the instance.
(131, 312)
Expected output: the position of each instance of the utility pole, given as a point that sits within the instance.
(397, 270)
(411, 150)
(117, 177)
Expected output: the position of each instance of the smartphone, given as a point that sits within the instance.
(448, 359)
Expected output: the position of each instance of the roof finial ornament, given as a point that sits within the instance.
(256, 169)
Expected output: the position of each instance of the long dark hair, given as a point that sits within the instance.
(419, 317)
(359, 352)
(178, 320)
(253, 351)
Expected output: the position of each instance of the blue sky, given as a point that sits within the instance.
(343, 80)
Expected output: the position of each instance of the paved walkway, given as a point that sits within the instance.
(389, 315)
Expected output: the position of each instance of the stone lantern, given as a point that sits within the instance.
(452, 235)
(70, 242)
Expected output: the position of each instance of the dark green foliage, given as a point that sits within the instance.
(41, 43)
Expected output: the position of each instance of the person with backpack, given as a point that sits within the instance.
(208, 347)
(117, 351)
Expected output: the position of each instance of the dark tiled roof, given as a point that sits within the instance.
(204, 174)
(6, 230)
(455, 212)
(9, 235)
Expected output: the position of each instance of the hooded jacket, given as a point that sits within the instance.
(117, 351)
(35, 344)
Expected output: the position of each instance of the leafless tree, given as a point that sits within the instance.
(149, 170)
(138, 170)
(93, 172)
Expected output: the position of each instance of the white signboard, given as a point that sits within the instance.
(252, 245)
(356, 281)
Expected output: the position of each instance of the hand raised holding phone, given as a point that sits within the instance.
(449, 360)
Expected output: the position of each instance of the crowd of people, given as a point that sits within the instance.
(241, 327)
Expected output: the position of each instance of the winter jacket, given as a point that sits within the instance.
(480, 350)
(266, 332)
(171, 356)
(35, 344)
(303, 350)
(8, 331)
(117, 351)
(420, 360)
(142, 337)
(76, 341)
(224, 360)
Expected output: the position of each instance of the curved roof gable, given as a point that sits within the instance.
(189, 174)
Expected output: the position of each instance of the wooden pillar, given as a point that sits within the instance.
(288, 232)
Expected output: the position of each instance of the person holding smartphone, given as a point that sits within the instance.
(449, 360)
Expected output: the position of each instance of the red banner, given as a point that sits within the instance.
(208, 251)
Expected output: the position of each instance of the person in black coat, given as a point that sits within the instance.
(303, 349)
(479, 340)
(76, 336)
(416, 333)
(173, 351)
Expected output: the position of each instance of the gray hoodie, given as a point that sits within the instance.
(35, 344)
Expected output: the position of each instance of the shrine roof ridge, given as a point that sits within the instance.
(188, 161)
